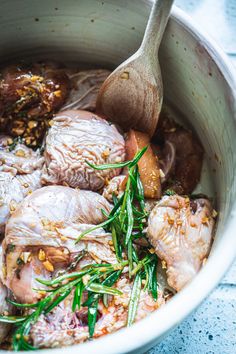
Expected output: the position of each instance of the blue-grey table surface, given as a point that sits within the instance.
(211, 329)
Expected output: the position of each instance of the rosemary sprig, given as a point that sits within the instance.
(134, 299)
(128, 213)
(126, 222)
(62, 287)
(92, 316)
(130, 163)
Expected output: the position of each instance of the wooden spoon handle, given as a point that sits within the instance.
(155, 27)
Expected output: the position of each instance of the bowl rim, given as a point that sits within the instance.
(156, 325)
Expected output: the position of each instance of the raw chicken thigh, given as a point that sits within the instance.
(116, 186)
(181, 232)
(63, 327)
(44, 230)
(11, 194)
(5, 309)
(75, 138)
(20, 174)
(40, 241)
(180, 155)
(18, 158)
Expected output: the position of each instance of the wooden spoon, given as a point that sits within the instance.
(132, 95)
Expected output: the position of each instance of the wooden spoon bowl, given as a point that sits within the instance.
(132, 94)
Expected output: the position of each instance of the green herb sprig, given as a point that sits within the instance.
(126, 222)
(60, 288)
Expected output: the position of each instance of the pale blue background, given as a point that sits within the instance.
(212, 328)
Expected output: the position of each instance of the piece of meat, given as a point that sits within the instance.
(181, 231)
(37, 90)
(116, 187)
(189, 157)
(148, 165)
(5, 307)
(180, 154)
(84, 88)
(150, 204)
(20, 175)
(13, 189)
(74, 138)
(167, 160)
(44, 229)
(11, 194)
(18, 158)
(62, 327)
(29, 95)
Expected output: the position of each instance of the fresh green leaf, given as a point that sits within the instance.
(130, 256)
(169, 192)
(130, 163)
(12, 319)
(107, 222)
(116, 244)
(57, 301)
(92, 317)
(130, 219)
(102, 289)
(134, 299)
(17, 304)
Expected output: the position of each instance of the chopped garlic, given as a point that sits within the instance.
(162, 175)
(163, 264)
(20, 153)
(86, 279)
(214, 213)
(41, 255)
(25, 257)
(48, 266)
(125, 75)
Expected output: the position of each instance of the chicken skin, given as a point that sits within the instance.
(181, 233)
(20, 175)
(40, 236)
(78, 137)
(63, 327)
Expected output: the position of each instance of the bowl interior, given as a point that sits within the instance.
(104, 33)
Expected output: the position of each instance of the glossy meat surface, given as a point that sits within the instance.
(37, 90)
(11, 194)
(180, 154)
(63, 327)
(74, 138)
(17, 157)
(116, 187)
(51, 219)
(53, 108)
(20, 174)
(5, 307)
(181, 232)
(29, 95)
(148, 164)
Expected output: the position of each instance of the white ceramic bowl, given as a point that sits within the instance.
(198, 80)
